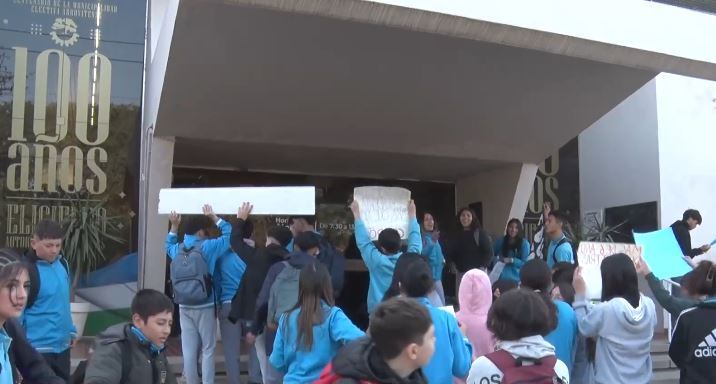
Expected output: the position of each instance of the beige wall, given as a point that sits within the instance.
(504, 193)
(153, 256)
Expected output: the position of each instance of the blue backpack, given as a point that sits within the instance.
(189, 273)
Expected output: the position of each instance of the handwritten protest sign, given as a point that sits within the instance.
(662, 253)
(383, 207)
(591, 255)
(266, 200)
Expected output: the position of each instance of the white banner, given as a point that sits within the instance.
(590, 256)
(266, 200)
(383, 207)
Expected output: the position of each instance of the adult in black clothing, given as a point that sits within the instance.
(681, 228)
(328, 255)
(471, 246)
(257, 260)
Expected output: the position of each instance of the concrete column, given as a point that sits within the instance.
(504, 193)
(152, 256)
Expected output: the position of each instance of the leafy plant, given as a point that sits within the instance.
(594, 229)
(87, 230)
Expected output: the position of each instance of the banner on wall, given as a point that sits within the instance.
(70, 103)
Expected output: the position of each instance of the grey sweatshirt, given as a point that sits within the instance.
(623, 336)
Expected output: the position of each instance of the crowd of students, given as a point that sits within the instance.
(534, 323)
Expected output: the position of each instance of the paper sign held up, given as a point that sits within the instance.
(383, 207)
(591, 255)
(662, 253)
(266, 200)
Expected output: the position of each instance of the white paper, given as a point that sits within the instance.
(383, 207)
(496, 272)
(590, 256)
(449, 309)
(266, 200)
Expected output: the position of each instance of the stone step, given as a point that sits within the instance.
(669, 376)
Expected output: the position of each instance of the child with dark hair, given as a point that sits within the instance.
(47, 317)
(502, 286)
(401, 266)
(513, 250)
(563, 272)
(693, 345)
(20, 359)
(134, 353)
(381, 262)
(563, 292)
(198, 321)
(692, 283)
(471, 246)
(519, 320)
(401, 341)
(453, 352)
(433, 251)
(559, 249)
(312, 332)
(536, 275)
(623, 323)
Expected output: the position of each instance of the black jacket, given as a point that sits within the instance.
(25, 360)
(693, 346)
(470, 249)
(334, 260)
(683, 237)
(359, 361)
(258, 262)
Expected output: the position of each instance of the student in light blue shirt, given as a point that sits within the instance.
(560, 249)
(434, 252)
(537, 276)
(309, 336)
(513, 250)
(453, 351)
(198, 322)
(381, 262)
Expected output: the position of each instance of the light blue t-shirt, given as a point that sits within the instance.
(560, 252)
(5, 340)
(564, 337)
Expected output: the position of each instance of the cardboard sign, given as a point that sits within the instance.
(266, 200)
(383, 207)
(591, 255)
(662, 253)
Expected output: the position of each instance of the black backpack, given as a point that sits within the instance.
(30, 258)
(574, 250)
(78, 377)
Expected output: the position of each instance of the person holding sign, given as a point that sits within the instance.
(512, 250)
(681, 228)
(560, 249)
(381, 262)
(623, 323)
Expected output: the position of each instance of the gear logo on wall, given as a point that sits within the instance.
(64, 32)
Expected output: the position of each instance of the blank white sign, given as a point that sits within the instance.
(266, 200)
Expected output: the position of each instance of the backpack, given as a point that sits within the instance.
(574, 251)
(284, 292)
(539, 371)
(330, 377)
(190, 277)
(30, 258)
(78, 377)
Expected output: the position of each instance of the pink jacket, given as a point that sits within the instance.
(475, 297)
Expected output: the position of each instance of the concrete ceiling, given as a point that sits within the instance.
(304, 93)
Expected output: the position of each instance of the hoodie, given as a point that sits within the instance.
(483, 370)
(381, 266)
(564, 337)
(623, 336)
(453, 352)
(147, 363)
(475, 300)
(361, 362)
(693, 345)
(212, 250)
(434, 253)
(304, 366)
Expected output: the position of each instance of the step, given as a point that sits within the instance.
(670, 376)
